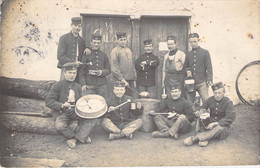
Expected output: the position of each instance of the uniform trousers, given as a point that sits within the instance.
(100, 90)
(202, 89)
(217, 132)
(127, 128)
(173, 126)
(84, 128)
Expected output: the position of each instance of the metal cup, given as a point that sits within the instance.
(133, 106)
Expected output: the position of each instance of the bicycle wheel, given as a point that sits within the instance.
(248, 84)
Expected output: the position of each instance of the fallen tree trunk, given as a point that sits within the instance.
(30, 124)
(11, 103)
(25, 88)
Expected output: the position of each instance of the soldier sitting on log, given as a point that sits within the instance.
(180, 115)
(215, 122)
(61, 99)
(121, 120)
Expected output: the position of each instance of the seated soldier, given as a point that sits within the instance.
(221, 114)
(61, 99)
(180, 115)
(121, 121)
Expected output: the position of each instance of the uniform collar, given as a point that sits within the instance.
(195, 49)
(173, 52)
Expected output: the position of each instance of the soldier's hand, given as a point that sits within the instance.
(212, 125)
(125, 82)
(164, 96)
(78, 63)
(84, 89)
(87, 51)
(152, 113)
(143, 63)
(65, 105)
(138, 105)
(99, 72)
(189, 74)
(171, 115)
(111, 108)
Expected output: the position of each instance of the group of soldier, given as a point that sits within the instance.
(84, 70)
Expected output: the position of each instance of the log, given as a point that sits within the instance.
(25, 88)
(11, 103)
(30, 124)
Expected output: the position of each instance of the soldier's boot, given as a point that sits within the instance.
(72, 143)
(203, 143)
(176, 136)
(113, 136)
(160, 134)
(190, 140)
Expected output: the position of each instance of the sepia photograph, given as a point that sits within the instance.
(129, 83)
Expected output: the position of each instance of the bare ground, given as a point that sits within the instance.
(241, 147)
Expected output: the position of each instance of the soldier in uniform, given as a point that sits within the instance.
(121, 122)
(92, 75)
(61, 99)
(179, 119)
(172, 66)
(123, 64)
(71, 46)
(198, 65)
(145, 66)
(221, 115)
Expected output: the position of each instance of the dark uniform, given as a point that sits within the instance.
(96, 84)
(221, 112)
(146, 73)
(198, 61)
(179, 124)
(123, 121)
(66, 91)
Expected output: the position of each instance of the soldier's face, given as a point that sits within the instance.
(194, 42)
(175, 94)
(171, 45)
(70, 75)
(148, 48)
(95, 44)
(119, 91)
(122, 42)
(75, 28)
(219, 94)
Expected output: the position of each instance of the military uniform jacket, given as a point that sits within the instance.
(146, 74)
(221, 111)
(122, 114)
(67, 48)
(59, 94)
(122, 64)
(180, 106)
(199, 62)
(99, 61)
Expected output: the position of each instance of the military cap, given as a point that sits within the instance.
(217, 86)
(119, 84)
(96, 36)
(148, 41)
(120, 35)
(171, 37)
(70, 66)
(76, 20)
(176, 86)
(191, 35)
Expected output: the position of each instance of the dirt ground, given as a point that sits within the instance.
(241, 147)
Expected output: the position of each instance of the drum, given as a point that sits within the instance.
(91, 106)
(148, 105)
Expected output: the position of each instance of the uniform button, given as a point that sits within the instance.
(194, 55)
(145, 76)
(216, 117)
(73, 54)
(194, 69)
(194, 64)
(216, 108)
(120, 113)
(146, 72)
(121, 118)
(97, 60)
(194, 51)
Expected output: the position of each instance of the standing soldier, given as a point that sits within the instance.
(121, 121)
(62, 99)
(71, 46)
(220, 116)
(145, 66)
(198, 65)
(122, 64)
(172, 66)
(92, 75)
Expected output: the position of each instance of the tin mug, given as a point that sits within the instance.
(133, 106)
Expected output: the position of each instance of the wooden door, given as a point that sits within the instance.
(158, 29)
